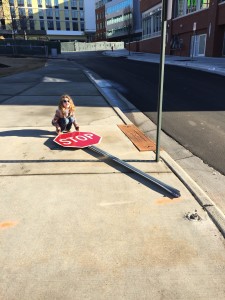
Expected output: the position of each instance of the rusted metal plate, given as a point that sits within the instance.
(138, 138)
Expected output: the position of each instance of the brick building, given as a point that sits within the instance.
(100, 19)
(196, 28)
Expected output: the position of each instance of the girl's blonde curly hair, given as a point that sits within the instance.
(62, 108)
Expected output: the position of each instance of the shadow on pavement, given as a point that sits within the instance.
(38, 133)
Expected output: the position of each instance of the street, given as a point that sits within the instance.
(193, 114)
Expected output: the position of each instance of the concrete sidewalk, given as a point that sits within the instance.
(75, 225)
(214, 65)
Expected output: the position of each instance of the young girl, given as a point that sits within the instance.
(64, 115)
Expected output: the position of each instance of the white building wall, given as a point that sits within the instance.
(89, 15)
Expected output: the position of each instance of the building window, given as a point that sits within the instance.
(74, 4)
(57, 14)
(31, 24)
(74, 14)
(13, 12)
(81, 4)
(50, 25)
(198, 43)
(29, 3)
(151, 23)
(22, 12)
(41, 13)
(81, 15)
(66, 14)
(42, 25)
(120, 6)
(30, 13)
(66, 4)
(39, 3)
(75, 26)
(184, 7)
(49, 13)
(56, 3)
(20, 2)
(48, 3)
(58, 27)
(67, 25)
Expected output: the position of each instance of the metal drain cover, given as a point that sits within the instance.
(193, 216)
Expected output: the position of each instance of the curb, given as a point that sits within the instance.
(202, 198)
(215, 214)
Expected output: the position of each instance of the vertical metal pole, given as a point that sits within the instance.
(161, 76)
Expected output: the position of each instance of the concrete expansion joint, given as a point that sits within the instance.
(186, 157)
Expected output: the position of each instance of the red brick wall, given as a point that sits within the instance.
(100, 10)
(150, 45)
(221, 14)
(147, 4)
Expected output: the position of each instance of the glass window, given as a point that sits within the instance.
(13, 12)
(42, 25)
(40, 3)
(50, 25)
(22, 12)
(31, 24)
(48, 3)
(184, 7)
(20, 2)
(66, 14)
(23, 23)
(49, 13)
(202, 42)
(30, 12)
(56, 3)
(29, 3)
(58, 27)
(75, 26)
(81, 15)
(57, 13)
(151, 23)
(74, 14)
(41, 13)
(74, 4)
(67, 25)
(81, 4)
(119, 6)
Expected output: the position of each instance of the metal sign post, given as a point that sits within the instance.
(161, 76)
(79, 139)
(172, 191)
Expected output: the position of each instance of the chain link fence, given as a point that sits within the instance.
(21, 50)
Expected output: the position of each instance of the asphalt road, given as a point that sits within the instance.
(193, 107)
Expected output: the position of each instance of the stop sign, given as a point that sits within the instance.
(77, 139)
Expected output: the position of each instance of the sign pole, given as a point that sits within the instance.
(161, 76)
(172, 191)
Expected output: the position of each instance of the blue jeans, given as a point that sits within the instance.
(65, 123)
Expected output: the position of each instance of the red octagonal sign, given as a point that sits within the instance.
(77, 139)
